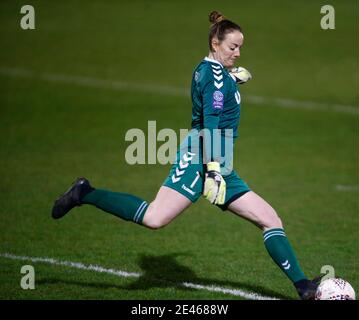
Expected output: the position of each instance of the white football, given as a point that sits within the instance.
(335, 289)
(241, 74)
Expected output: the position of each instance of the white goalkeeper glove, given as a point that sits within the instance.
(241, 74)
(214, 184)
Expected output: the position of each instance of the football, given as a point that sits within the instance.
(335, 289)
(241, 75)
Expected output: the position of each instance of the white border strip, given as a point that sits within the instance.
(120, 273)
(168, 90)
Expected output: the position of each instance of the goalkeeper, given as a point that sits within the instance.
(200, 169)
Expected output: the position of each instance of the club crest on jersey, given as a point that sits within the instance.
(218, 96)
(218, 99)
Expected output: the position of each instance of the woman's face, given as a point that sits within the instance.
(227, 51)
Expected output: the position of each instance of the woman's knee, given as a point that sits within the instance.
(270, 219)
(153, 219)
(166, 207)
(154, 224)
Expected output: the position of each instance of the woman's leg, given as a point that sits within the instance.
(255, 209)
(167, 205)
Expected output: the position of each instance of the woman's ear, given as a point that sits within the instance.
(215, 44)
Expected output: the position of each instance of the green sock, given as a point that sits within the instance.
(280, 250)
(122, 205)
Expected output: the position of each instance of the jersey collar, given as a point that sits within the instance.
(213, 61)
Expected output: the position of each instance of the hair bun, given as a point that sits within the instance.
(215, 17)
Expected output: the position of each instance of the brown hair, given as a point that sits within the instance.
(220, 26)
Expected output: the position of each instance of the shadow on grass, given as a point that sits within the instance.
(165, 272)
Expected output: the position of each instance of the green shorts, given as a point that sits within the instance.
(187, 177)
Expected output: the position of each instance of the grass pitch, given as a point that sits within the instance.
(89, 72)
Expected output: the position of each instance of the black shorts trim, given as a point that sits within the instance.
(224, 207)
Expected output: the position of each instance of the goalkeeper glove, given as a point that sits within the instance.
(214, 184)
(241, 74)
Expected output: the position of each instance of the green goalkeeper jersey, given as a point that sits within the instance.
(216, 105)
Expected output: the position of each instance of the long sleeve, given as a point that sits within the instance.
(213, 102)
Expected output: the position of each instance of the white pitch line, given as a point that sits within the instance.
(120, 273)
(234, 292)
(170, 90)
(307, 105)
(76, 265)
(93, 82)
(341, 187)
